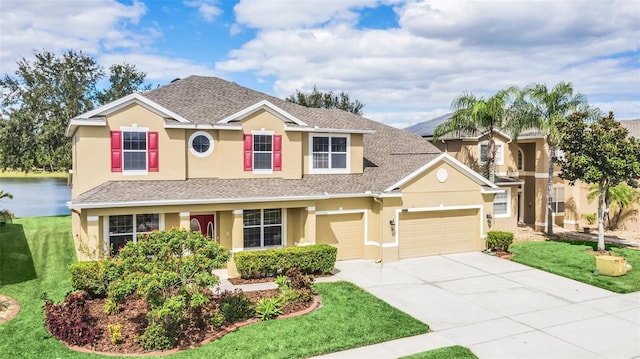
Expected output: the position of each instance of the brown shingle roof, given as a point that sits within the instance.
(390, 154)
(633, 126)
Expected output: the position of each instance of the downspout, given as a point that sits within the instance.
(379, 201)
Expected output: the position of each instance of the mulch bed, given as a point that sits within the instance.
(241, 281)
(132, 318)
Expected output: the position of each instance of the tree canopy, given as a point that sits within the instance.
(319, 99)
(45, 93)
(598, 152)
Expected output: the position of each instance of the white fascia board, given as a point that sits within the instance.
(75, 122)
(202, 126)
(137, 99)
(510, 183)
(327, 130)
(447, 158)
(485, 190)
(263, 105)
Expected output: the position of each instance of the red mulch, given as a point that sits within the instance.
(132, 318)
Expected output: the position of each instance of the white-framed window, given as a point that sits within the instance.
(263, 152)
(329, 153)
(520, 161)
(483, 147)
(200, 144)
(134, 151)
(558, 200)
(502, 204)
(263, 228)
(124, 228)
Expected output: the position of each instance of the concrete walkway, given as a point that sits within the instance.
(498, 309)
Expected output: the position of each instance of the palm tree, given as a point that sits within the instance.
(4, 194)
(619, 198)
(542, 108)
(479, 115)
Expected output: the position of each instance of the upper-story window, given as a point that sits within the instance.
(134, 150)
(200, 144)
(329, 153)
(262, 152)
(484, 147)
(520, 160)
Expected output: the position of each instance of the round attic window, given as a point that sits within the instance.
(201, 144)
(442, 175)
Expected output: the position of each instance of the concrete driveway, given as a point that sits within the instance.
(498, 309)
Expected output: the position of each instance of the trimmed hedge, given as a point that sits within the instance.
(316, 258)
(93, 277)
(499, 240)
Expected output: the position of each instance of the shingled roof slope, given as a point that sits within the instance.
(633, 126)
(390, 154)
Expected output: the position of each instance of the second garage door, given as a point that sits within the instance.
(344, 231)
(437, 232)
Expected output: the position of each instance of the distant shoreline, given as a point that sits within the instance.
(34, 174)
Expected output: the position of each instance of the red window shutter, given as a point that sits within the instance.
(248, 152)
(116, 151)
(277, 152)
(152, 151)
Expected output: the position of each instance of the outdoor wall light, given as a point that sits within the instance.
(489, 216)
(392, 223)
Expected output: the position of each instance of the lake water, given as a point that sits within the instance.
(36, 196)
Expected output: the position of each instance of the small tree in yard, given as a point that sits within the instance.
(600, 153)
(173, 271)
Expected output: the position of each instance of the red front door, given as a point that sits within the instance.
(204, 223)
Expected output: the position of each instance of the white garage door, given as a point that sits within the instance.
(344, 231)
(437, 232)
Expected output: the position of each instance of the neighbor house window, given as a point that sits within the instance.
(201, 144)
(329, 153)
(558, 200)
(125, 228)
(501, 206)
(134, 151)
(484, 147)
(262, 228)
(262, 152)
(520, 160)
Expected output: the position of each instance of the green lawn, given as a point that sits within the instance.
(452, 352)
(34, 257)
(571, 260)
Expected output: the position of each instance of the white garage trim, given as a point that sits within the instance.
(365, 215)
(433, 209)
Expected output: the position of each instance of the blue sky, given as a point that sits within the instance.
(405, 60)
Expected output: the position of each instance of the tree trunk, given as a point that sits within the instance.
(601, 217)
(491, 160)
(552, 150)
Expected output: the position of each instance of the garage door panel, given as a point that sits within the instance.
(344, 231)
(437, 232)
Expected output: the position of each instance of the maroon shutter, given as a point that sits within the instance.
(116, 151)
(277, 152)
(248, 152)
(152, 150)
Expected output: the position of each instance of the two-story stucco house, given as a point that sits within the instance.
(253, 171)
(522, 171)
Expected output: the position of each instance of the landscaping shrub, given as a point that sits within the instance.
(115, 333)
(155, 337)
(68, 321)
(317, 258)
(236, 306)
(94, 277)
(499, 240)
(268, 308)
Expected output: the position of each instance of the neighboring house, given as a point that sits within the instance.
(253, 171)
(522, 171)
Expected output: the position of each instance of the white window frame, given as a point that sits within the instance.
(555, 202)
(283, 225)
(520, 160)
(253, 152)
(347, 168)
(499, 160)
(134, 234)
(146, 151)
(507, 193)
(193, 150)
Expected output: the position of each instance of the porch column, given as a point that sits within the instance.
(237, 232)
(185, 220)
(309, 228)
(93, 247)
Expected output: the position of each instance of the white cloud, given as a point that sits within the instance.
(159, 68)
(206, 8)
(441, 49)
(88, 26)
